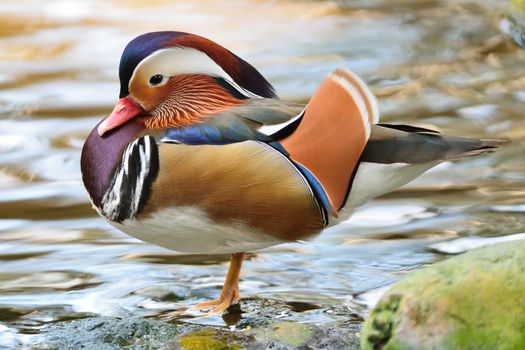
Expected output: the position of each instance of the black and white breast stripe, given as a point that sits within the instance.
(131, 184)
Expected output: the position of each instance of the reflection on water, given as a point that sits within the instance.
(440, 63)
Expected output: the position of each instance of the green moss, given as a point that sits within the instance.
(476, 300)
(379, 329)
(516, 20)
(205, 340)
(518, 7)
(291, 333)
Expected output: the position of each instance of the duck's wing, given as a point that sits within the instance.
(253, 120)
(350, 157)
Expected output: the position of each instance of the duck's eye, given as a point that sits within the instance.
(156, 79)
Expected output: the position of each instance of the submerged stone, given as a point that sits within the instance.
(472, 301)
(291, 333)
(257, 327)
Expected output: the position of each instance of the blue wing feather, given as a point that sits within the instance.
(214, 134)
(318, 190)
(193, 135)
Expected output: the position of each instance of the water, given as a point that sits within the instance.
(433, 63)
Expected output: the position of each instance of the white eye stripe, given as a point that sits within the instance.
(180, 60)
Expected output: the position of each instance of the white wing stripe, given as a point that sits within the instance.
(358, 98)
(362, 87)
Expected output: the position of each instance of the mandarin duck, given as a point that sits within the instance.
(200, 156)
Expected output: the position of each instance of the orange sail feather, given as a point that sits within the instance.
(332, 135)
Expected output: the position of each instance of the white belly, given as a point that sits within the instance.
(188, 230)
(373, 180)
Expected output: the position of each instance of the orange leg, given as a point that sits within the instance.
(230, 291)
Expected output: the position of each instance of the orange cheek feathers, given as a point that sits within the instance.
(183, 100)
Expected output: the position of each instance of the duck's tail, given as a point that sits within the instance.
(397, 154)
(412, 145)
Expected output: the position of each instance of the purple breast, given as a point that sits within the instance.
(101, 155)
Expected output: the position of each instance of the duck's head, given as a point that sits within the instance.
(172, 79)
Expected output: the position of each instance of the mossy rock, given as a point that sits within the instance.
(518, 7)
(206, 340)
(514, 22)
(472, 301)
(257, 327)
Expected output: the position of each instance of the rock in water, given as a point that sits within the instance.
(264, 324)
(514, 22)
(472, 301)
